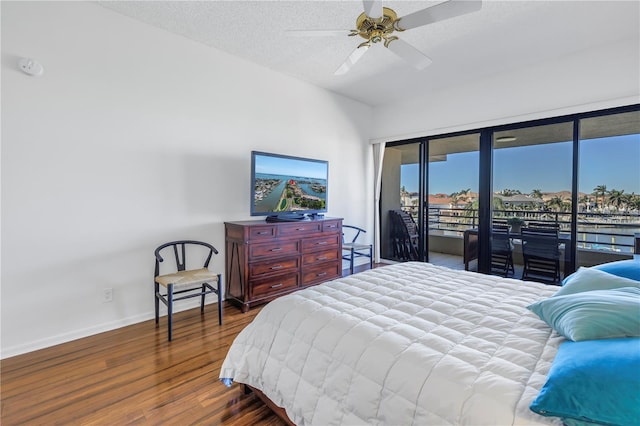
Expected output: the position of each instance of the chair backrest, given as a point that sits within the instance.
(500, 237)
(355, 231)
(542, 242)
(403, 224)
(544, 225)
(180, 253)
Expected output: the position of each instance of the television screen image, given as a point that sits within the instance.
(287, 186)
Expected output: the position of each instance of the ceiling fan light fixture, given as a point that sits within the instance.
(376, 29)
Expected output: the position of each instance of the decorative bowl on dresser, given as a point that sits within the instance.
(267, 260)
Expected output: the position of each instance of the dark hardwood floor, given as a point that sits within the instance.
(132, 375)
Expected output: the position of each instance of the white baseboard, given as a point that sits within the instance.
(90, 331)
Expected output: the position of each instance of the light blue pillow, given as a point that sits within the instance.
(586, 279)
(596, 381)
(596, 314)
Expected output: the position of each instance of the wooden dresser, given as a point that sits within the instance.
(267, 260)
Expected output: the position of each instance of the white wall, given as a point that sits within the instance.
(131, 138)
(602, 77)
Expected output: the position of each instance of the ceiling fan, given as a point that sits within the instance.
(377, 24)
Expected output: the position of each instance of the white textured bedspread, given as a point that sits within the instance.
(406, 344)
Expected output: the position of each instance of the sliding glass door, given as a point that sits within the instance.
(609, 187)
(401, 227)
(450, 198)
(532, 186)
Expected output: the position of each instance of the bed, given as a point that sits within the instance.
(409, 344)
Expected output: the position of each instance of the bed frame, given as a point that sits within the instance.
(278, 411)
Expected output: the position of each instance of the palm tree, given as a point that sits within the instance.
(617, 198)
(556, 202)
(472, 209)
(536, 193)
(509, 192)
(634, 202)
(455, 198)
(602, 191)
(585, 199)
(464, 193)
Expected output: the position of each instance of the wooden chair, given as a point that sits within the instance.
(541, 254)
(185, 282)
(501, 251)
(355, 248)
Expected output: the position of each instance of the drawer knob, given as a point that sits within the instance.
(264, 233)
(322, 274)
(321, 258)
(276, 285)
(276, 267)
(321, 243)
(276, 249)
(300, 229)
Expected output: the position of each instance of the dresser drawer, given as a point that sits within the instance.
(274, 285)
(321, 272)
(270, 267)
(331, 226)
(302, 228)
(320, 256)
(319, 243)
(262, 232)
(273, 249)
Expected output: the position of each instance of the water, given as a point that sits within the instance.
(597, 238)
(269, 202)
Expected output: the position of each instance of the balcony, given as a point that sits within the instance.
(600, 238)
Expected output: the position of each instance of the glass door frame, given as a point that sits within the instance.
(485, 181)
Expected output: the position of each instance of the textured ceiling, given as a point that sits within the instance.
(503, 35)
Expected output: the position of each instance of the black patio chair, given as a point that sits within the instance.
(541, 254)
(501, 251)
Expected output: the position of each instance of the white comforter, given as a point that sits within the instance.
(411, 343)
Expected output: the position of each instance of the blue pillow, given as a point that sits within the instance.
(586, 279)
(622, 268)
(596, 314)
(629, 268)
(596, 381)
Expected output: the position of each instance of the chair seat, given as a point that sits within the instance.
(355, 246)
(187, 278)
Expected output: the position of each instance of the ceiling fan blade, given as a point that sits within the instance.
(372, 8)
(316, 33)
(439, 12)
(409, 53)
(351, 60)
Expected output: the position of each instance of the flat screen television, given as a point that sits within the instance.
(286, 188)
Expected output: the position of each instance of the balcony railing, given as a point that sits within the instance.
(596, 231)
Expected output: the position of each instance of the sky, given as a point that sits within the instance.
(277, 165)
(612, 161)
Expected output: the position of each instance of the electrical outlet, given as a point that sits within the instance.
(107, 295)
